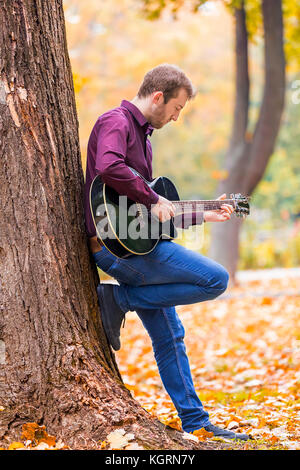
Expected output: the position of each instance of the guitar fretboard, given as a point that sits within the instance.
(195, 206)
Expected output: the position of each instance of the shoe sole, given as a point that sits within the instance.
(106, 325)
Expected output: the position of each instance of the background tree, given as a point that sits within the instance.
(56, 367)
(249, 152)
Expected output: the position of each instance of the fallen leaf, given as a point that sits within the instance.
(233, 425)
(42, 446)
(266, 301)
(118, 439)
(16, 445)
(190, 437)
(36, 434)
(134, 446)
(203, 435)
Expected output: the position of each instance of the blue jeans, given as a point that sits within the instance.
(152, 285)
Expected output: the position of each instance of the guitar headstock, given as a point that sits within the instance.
(242, 207)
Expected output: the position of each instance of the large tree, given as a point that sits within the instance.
(56, 367)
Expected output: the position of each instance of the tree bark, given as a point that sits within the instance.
(248, 156)
(56, 367)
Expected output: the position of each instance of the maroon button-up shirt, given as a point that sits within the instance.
(120, 139)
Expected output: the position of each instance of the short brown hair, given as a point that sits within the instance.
(166, 78)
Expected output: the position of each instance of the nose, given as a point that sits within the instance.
(175, 116)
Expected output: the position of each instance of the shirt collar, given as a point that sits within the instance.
(139, 117)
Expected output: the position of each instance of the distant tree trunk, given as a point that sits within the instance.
(56, 367)
(247, 156)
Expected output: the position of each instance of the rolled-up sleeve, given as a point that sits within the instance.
(110, 161)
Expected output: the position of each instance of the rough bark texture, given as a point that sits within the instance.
(248, 156)
(56, 368)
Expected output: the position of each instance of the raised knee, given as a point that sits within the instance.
(224, 280)
(221, 281)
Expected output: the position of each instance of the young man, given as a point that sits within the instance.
(170, 275)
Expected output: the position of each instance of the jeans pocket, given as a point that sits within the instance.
(104, 259)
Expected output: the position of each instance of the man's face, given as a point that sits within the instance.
(162, 113)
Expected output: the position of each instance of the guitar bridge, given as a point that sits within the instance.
(140, 214)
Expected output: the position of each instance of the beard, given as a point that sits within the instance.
(157, 125)
(159, 118)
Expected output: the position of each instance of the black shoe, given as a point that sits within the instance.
(224, 434)
(111, 314)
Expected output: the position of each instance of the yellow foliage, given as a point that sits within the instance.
(79, 82)
(16, 445)
(219, 174)
(111, 51)
(270, 253)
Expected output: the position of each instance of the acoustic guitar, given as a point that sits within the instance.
(126, 227)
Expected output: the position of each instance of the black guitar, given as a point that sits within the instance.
(126, 227)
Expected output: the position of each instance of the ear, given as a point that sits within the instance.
(157, 97)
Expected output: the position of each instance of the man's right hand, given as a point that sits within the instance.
(163, 209)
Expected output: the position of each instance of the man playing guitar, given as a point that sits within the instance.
(153, 284)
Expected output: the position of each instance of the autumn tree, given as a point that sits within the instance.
(248, 154)
(56, 368)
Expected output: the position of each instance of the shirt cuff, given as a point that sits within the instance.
(152, 199)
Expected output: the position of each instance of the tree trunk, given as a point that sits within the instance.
(56, 367)
(247, 157)
(225, 238)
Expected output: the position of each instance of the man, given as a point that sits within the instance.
(170, 275)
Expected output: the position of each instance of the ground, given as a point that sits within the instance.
(244, 351)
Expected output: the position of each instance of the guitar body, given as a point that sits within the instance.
(124, 226)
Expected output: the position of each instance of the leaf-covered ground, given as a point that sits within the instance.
(244, 350)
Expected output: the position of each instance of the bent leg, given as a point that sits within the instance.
(162, 295)
(170, 275)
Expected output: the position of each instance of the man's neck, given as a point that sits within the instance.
(142, 106)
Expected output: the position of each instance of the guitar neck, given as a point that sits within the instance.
(199, 205)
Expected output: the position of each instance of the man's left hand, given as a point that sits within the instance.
(220, 215)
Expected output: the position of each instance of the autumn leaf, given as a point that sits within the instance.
(202, 434)
(134, 446)
(118, 439)
(16, 445)
(266, 301)
(36, 434)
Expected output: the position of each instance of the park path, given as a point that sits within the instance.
(252, 283)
